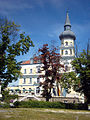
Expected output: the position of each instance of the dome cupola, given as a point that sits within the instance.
(67, 30)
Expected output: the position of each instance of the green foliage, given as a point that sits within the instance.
(4, 105)
(82, 67)
(12, 44)
(38, 104)
(44, 104)
(69, 80)
(7, 97)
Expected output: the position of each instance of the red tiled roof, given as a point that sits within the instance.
(25, 62)
(35, 60)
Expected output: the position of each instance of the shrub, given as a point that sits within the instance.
(39, 104)
(7, 97)
(43, 104)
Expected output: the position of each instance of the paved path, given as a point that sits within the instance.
(66, 111)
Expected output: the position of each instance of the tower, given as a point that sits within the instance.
(67, 50)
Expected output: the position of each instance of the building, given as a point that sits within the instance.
(29, 80)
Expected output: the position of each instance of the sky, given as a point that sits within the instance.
(44, 20)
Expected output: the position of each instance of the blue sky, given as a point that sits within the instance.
(44, 20)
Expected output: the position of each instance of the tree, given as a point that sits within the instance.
(80, 79)
(51, 66)
(12, 44)
(69, 80)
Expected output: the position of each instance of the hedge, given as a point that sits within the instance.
(43, 104)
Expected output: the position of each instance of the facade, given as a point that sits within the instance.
(29, 80)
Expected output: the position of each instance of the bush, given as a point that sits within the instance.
(43, 104)
(4, 105)
(7, 97)
(39, 104)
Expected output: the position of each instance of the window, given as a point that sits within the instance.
(66, 43)
(24, 71)
(30, 90)
(38, 80)
(38, 69)
(66, 68)
(37, 90)
(71, 43)
(24, 80)
(70, 51)
(24, 90)
(30, 70)
(62, 52)
(30, 81)
(66, 52)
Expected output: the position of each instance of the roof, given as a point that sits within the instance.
(67, 34)
(67, 22)
(25, 62)
(67, 30)
(31, 61)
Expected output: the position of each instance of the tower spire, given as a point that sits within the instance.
(67, 25)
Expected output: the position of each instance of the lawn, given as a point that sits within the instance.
(42, 114)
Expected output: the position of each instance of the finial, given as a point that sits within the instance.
(67, 11)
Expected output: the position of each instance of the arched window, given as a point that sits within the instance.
(66, 52)
(66, 43)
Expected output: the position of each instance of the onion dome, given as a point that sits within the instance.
(67, 30)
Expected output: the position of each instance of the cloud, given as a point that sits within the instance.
(8, 6)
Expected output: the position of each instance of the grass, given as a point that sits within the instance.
(42, 114)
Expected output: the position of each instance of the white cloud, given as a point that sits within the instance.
(8, 6)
